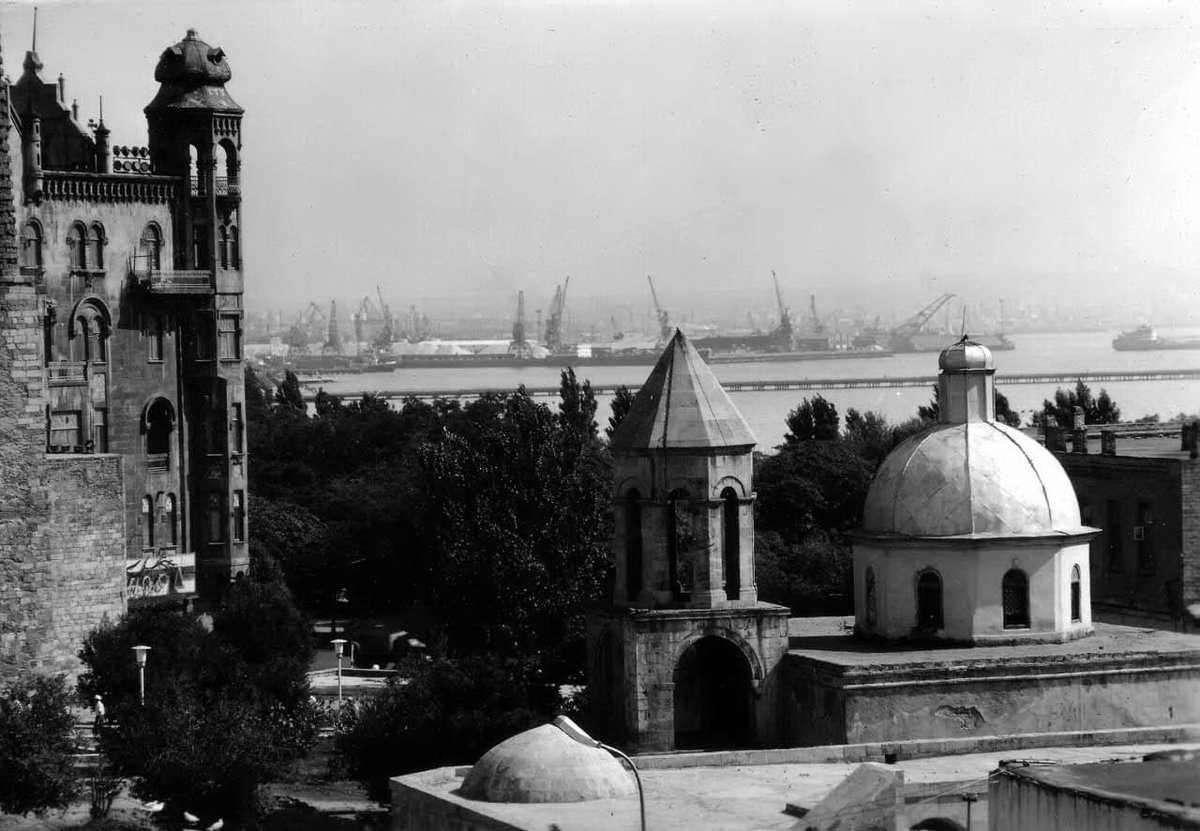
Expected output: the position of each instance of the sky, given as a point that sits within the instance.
(867, 151)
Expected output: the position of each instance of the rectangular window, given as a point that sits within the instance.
(100, 430)
(216, 518)
(1115, 537)
(239, 516)
(229, 338)
(65, 430)
(1143, 534)
(154, 338)
(237, 428)
(204, 339)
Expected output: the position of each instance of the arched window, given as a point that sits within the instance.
(223, 245)
(170, 520)
(89, 333)
(869, 595)
(235, 248)
(160, 424)
(679, 544)
(78, 242)
(194, 170)
(96, 243)
(31, 244)
(1015, 599)
(733, 543)
(147, 522)
(1076, 596)
(633, 545)
(228, 166)
(150, 252)
(929, 601)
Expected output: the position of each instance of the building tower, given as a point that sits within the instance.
(195, 135)
(684, 654)
(971, 530)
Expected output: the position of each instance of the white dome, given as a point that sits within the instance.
(978, 479)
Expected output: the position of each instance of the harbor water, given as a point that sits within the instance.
(765, 410)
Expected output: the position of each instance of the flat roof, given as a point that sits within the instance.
(1172, 786)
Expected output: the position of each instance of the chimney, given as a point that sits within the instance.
(75, 109)
(62, 89)
(1108, 443)
(1079, 439)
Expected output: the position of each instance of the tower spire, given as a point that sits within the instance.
(33, 48)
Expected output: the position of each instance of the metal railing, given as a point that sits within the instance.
(222, 186)
(64, 373)
(175, 282)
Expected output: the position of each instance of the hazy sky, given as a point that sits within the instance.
(434, 146)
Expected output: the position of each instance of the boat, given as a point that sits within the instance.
(923, 342)
(1144, 339)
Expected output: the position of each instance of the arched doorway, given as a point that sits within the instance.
(714, 697)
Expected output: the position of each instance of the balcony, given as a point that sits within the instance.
(223, 186)
(158, 461)
(66, 373)
(175, 282)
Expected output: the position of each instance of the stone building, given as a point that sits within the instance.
(123, 413)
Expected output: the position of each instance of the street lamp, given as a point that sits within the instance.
(338, 644)
(577, 733)
(139, 652)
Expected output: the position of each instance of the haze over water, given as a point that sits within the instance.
(765, 411)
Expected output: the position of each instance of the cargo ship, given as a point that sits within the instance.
(1145, 339)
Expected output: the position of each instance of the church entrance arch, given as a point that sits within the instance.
(714, 696)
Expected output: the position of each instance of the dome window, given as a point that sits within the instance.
(929, 602)
(1015, 598)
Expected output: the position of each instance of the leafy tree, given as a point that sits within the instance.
(289, 398)
(448, 711)
(621, 404)
(35, 745)
(812, 577)
(298, 540)
(812, 487)
(577, 404)
(815, 418)
(1099, 410)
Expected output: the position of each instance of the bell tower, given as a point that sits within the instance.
(195, 135)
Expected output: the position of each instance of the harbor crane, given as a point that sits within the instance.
(333, 343)
(902, 335)
(554, 318)
(387, 335)
(785, 314)
(664, 319)
(301, 333)
(519, 347)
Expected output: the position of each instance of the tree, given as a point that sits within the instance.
(812, 487)
(815, 419)
(812, 577)
(1100, 410)
(621, 404)
(35, 745)
(289, 398)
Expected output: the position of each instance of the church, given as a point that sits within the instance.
(121, 311)
(971, 585)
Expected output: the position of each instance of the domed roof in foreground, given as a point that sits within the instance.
(193, 75)
(546, 765)
(976, 478)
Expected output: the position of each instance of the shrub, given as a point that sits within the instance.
(35, 745)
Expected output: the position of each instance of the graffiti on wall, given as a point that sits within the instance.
(160, 574)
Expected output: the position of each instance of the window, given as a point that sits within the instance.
(170, 520)
(229, 337)
(869, 595)
(65, 429)
(97, 340)
(929, 601)
(77, 241)
(1143, 535)
(159, 425)
(203, 338)
(31, 245)
(633, 545)
(1076, 596)
(150, 249)
(733, 543)
(100, 429)
(223, 246)
(239, 516)
(154, 339)
(1014, 592)
(147, 522)
(235, 248)
(237, 428)
(200, 252)
(679, 544)
(95, 246)
(1115, 538)
(216, 518)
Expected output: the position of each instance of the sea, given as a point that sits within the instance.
(766, 410)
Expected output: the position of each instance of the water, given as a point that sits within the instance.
(765, 411)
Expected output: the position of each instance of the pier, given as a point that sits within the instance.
(806, 384)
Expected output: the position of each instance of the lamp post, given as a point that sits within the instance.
(577, 733)
(338, 645)
(139, 653)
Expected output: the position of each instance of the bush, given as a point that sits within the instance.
(438, 713)
(35, 745)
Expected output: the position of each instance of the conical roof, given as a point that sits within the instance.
(682, 406)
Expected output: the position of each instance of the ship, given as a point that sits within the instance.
(1145, 339)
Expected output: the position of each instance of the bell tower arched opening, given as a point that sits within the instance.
(714, 696)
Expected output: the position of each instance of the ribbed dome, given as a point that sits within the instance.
(546, 765)
(193, 75)
(971, 479)
(965, 355)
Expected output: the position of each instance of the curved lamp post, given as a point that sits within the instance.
(140, 653)
(577, 733)
(338, 645)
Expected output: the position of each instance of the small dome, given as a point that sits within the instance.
(971, 479)
(546, 765)
(193, 75)
(965, 355)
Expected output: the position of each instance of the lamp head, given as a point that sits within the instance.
(139, 653)
(338, 645)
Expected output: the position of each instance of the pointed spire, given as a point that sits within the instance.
(682, 406)
(33, 48)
